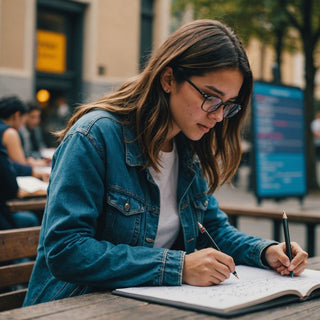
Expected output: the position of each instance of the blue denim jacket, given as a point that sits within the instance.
(102, 213)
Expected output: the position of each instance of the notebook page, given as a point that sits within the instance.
(254, 284)
(31, 184)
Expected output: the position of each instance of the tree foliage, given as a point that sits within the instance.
(257, 18)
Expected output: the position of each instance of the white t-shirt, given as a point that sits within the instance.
(167, 179)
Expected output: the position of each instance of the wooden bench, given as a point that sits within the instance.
(309, 219)
(16, 244)
(27, 204)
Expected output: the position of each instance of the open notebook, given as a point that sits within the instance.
(255, 289)
(32, 186)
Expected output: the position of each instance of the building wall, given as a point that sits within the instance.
(110, 51)
(12, 55)
(112, 40)
(118, 37)
(17, 25)
(162, 22)
(111, 47)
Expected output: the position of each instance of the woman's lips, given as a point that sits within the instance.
(203, 128)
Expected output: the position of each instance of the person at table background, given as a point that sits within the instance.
(31, 134)
(9, 189)
(55, 118)
(136, 170)
(12, 111)
(12, 117)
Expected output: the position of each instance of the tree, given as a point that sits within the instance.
(272, 22)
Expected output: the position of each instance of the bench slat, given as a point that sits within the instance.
(14, 245)
(18, 243)
(12, 300)
(15, 273)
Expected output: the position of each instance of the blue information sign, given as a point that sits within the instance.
(278, 141)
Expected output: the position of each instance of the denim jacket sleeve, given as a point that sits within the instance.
(73, 250)
(244, 249)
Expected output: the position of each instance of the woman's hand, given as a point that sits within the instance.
(44, 162)
(207, 267)
(44, 176)
(22, 193)
(277, 258)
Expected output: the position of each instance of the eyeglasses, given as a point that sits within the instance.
(211, 104)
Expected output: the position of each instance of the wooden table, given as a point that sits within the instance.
(37, 203)
(104, 305)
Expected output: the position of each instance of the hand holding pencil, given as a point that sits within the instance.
(208, 266)
(287, 258)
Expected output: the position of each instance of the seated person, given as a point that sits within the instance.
(12, 117)
(9, 189)
(55, 118)
(31, 134)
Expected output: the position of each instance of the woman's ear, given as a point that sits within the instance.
(167, 79)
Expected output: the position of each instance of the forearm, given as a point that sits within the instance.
(85, 260)
(22, 169)
(244, 249)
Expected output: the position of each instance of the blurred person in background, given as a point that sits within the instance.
(9, 189)
(315, 127)
(12, 117)
(13, 112)
(56, 117)
(31, 136)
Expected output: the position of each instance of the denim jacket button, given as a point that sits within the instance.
(206, 203)
(127, 206)
(149, 240)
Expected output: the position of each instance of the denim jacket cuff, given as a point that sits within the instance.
(263, 245)
(172, 267)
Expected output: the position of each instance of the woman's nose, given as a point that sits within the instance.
(217, 115)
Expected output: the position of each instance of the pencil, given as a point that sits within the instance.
(287, 237)
(203, 230)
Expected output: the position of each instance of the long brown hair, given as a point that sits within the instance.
(198, 47)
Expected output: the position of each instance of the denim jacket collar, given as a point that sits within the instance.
(134, 156)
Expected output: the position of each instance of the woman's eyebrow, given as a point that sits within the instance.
(219, 92)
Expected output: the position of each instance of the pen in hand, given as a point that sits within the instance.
(287, 238)
(203, 230)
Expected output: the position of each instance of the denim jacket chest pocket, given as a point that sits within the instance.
(124, 218)
(200, 206)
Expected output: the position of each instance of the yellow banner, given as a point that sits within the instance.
(51, 51)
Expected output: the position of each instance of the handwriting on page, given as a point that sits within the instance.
(254, 285)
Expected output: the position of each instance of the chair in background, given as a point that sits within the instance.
(15, 245)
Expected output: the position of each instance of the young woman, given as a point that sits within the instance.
(9, 189)
(12, 111)
(135, 172)
(13, 114)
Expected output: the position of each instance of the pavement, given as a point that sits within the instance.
(240, 195)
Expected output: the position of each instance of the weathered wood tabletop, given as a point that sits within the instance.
(37, 203)
(104, 305)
